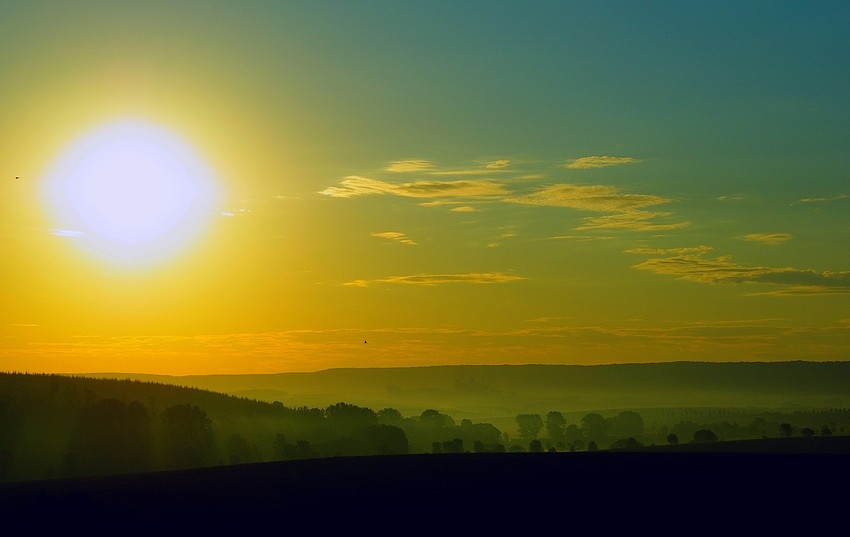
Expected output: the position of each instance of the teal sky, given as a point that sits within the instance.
(455, 182)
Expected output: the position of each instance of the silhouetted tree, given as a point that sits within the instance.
(807, 431)
(433, 418)
(96, 442)
(279, 446)
(188, 434)
(480, 447)
(303, 450)
(283, 450)
(760, 427)
(595, 427)
(453, 446)
(110, 437)
(348, 417)
(485, 433)
(703, 436)
(529, 425)
(10, 426)
(626, 443)
(591, 446)
(239, 451)
(139, 435)
(555, 426)
(787, 429)
(386, 440)
(672, 439)
(625, 424)
(826, 431)
(572, 433)
(390, 416)
(535, 446)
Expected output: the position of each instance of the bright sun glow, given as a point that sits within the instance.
(131, 192)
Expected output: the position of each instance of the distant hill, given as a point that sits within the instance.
(491, 391)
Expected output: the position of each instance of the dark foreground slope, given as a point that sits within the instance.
(602, 491)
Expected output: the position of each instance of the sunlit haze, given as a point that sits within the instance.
(197, 187)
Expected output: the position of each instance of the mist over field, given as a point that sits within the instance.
(64, 426)
(497, 392)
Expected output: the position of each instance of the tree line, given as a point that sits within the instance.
(54, 426)
(626, 429)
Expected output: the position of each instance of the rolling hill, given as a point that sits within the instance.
(491, 392)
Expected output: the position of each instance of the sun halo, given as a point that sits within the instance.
(131, 193)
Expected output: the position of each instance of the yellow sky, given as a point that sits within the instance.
(404, 185)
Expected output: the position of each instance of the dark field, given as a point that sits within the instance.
(787, 483)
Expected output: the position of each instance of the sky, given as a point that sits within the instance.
(399, 184)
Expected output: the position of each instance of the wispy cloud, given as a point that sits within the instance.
(438, 279)
(548, 319)
(495, 166)
(603, 198)
(744, 329)
(464, 209)
(585, 163)
(438, 203)
(633, 220)
(394, 236)
(819, 200)
(412, 165)
(629, 207)
(577, 238)
(695, 267)
(505, 235)
(768, 238)
(600, 198)
(467, 171)
(498, 164)
(805, 290)
(442, 279)
(362, 186)
(690, 250)
(730, 198)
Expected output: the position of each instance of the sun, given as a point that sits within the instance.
(131, 192)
